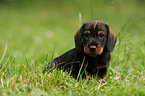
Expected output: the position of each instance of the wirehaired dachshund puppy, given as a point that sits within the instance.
(93, 43)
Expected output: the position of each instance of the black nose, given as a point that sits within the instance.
(92, 48)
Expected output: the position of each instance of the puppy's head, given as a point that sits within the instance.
(94, 37)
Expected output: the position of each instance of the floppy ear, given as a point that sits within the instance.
(111, 39)
(78, 40)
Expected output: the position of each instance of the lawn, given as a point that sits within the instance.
(32, 33)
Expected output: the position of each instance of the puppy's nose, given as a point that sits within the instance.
(92, 48)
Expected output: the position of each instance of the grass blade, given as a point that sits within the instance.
(4, 53)
(81, 68)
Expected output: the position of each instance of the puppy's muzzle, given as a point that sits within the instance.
(93, 49)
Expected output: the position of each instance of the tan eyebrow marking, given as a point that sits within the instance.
(99, 32)
(88, 32)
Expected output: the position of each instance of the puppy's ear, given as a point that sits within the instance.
(78, 39)
(111, 39)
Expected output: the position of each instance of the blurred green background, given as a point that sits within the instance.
(35, 28)
(31, 31)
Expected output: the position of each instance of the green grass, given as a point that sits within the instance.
(30, 32)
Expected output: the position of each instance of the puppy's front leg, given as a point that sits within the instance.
(74, 70)
(102, 73)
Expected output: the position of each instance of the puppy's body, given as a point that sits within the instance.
(94, 42)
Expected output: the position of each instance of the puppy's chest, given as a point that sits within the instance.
(94, 63)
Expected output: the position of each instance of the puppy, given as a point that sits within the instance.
(93, 43)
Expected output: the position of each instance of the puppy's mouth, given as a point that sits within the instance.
(93, 50)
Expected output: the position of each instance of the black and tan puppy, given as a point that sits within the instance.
(93, 43)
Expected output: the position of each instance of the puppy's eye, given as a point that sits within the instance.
(86, 35)
(101, 35)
